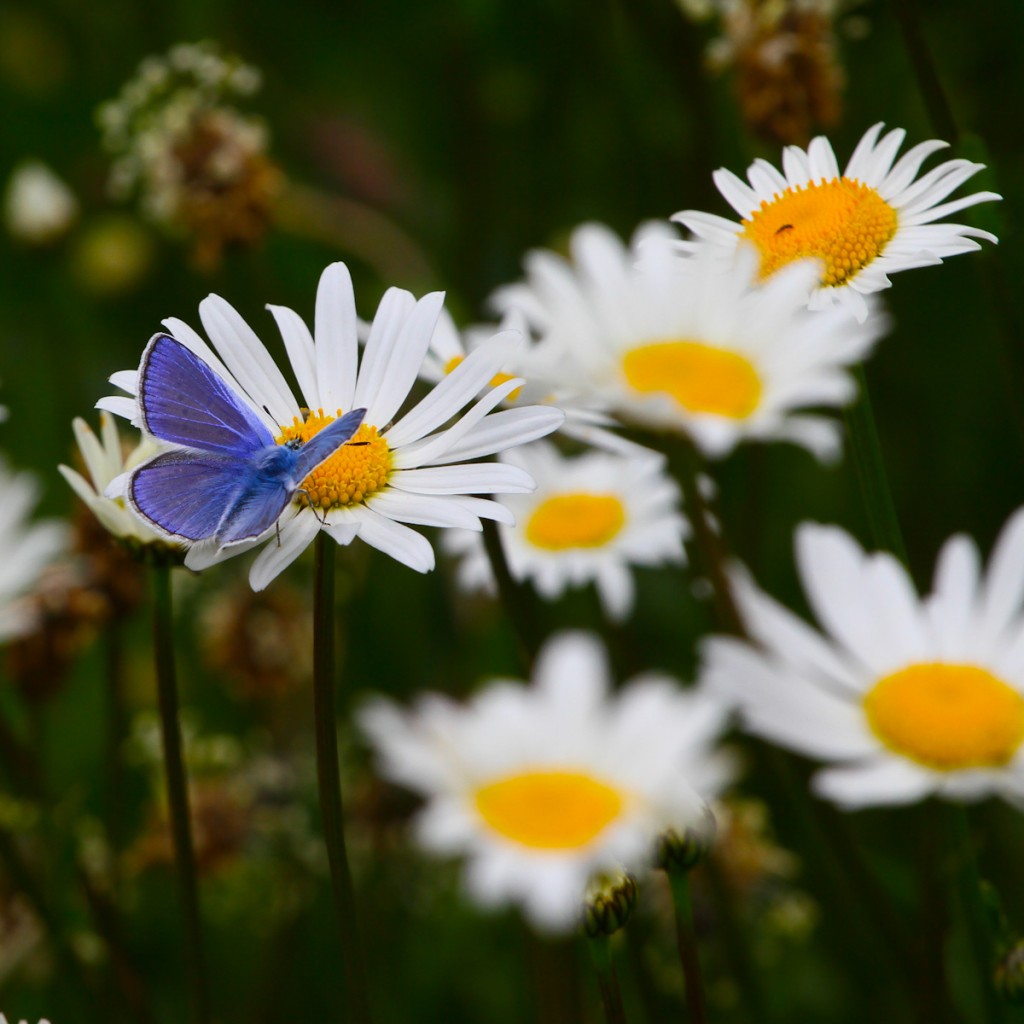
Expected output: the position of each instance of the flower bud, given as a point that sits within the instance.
(609, 902)
(683, 851)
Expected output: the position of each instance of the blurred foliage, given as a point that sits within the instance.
(477, 129)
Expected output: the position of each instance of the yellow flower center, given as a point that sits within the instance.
(359, 468)
(575, 521)
(947, 717)
(555, 810)
(701, 378)
(842, 222)
(496, 380)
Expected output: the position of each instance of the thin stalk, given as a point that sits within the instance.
(177, 791)
(968, 882)
(515, 599)
(679, 881)
(706, 543)
(607, 980)
(329, 781)
(866, 450)
(115, 732)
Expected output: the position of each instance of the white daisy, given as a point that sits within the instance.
(409, 470)
(872, 220)
(694, 345)
(25, 549)
(105, 461)
(904, 697)
(543, 370)
(542, 786)
(38, 206)
(592, 518)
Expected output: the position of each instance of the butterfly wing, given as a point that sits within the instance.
(183, 401)
(322, 446)
(185, 493)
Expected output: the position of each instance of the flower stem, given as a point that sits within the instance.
(330, 782)
(177, 790)
(968, 882)
(607, 981)
(866, 451)
(688, 956)
(514, 597)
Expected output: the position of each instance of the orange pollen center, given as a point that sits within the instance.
(576, 520)
(947, 717)
(497, 380)
(549, 810)
(701, 378)
(842, 222)
(359, 468)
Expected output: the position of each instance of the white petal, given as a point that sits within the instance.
(295, 536)
(891, 780)
(337, 343)
(298, 342)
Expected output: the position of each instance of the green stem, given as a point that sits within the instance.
(329, 781)
(607, 981)
(706, 545)
(968, 883)
(866, 451)
(115, 734)
(177, 790)
(679, 881)
(515, 598)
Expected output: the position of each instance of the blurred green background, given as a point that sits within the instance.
(476, 130)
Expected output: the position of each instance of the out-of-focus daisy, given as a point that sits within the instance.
(871, 220)
(592, 518)
(38, 206)
(694, 346)
(25, 549)
(105, 461)
(543, 786)
(411, 470)
(903, 697)
(547, 380)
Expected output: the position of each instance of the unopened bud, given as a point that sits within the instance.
(683, 851)
(609, 902)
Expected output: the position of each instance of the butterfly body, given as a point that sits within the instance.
(226, 480)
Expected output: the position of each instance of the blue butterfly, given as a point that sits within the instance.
(229, 481)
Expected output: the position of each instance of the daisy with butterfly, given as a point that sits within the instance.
(250, 462)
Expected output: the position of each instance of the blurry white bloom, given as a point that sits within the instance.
(694, 345)
(25, 549)
(871, 220)
(542, 786)
(904, 697)
(105, 460)
(593, 517)
(38, 206)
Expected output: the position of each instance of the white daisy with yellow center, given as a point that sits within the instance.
(697, 346)
(873, 219)
(592, 518)
(415, 468)
(904, 697)
(105, 460)
(25, 549)
(544, 785)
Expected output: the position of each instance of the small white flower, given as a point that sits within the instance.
(413, 469)
(105, 461)
(904, 697)
(542, 786)
(38, 206)
(873, 219)
(694, 345)
(593, 517)
(25, 549)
